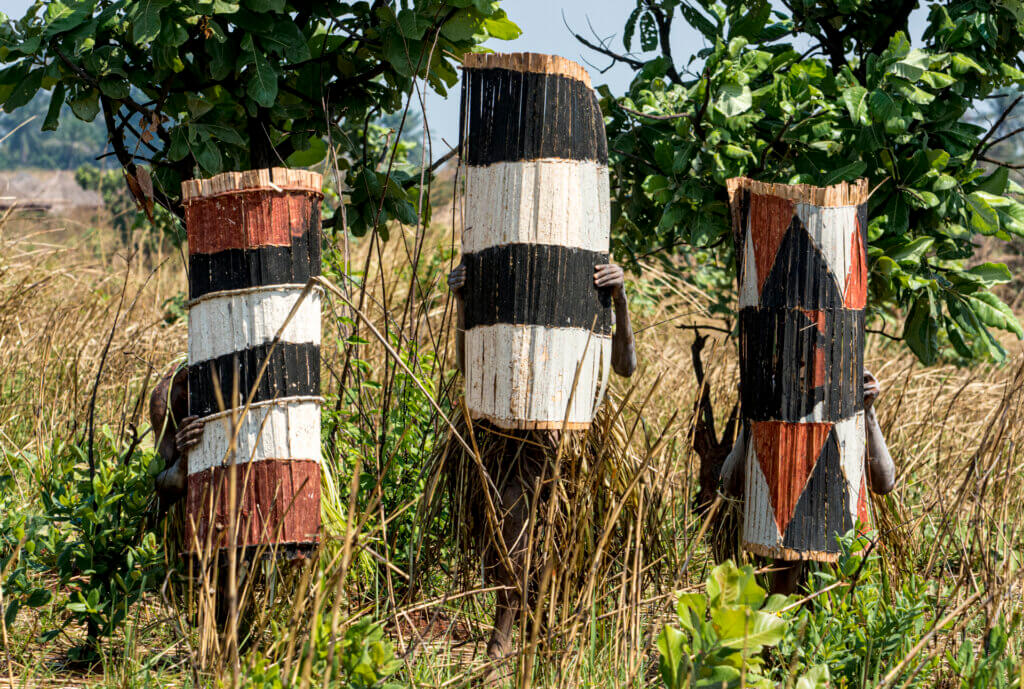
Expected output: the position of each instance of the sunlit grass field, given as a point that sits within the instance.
(88, 325)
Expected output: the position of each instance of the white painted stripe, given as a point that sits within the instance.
(231, 322)
(748, 291)
(758, 516)
(831, 229)
(283, 429)
(560, 202)
(850, 433)
(522, 374)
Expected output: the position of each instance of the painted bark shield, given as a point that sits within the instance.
(537, 222)
(803, 290)
(254, 242)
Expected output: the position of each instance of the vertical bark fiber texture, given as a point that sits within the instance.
(537, 222)
(254, 242)
(803, 289)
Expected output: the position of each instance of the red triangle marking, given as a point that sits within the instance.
(787, 453)
(862, 501)
(856, 296)
(770, 217)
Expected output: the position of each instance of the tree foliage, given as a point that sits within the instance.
(855, 99)
(196, 87)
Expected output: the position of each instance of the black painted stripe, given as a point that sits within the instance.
(536, 284)
(800, 277)
(293, 370)
(267, 265)
(509, 115)
(778, 348)
(822, 513)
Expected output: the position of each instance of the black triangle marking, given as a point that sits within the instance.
(800, 276)
(822, 513)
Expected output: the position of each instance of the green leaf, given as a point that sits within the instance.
(995, 183)
(286, 39)
(226, 135)
(145, 21)
(179, 144)
(991, 273)
(56, 104)
(856, 100)
(208, 156)
(499, 26)
(963, 64)
(265, 5)
(24, 91)
(86, 106)
(410, 25)
(734, 99)
(816, 678)
(882, 106)
(648, 32)
(991, 311)
(983, 217)
(698, 21)
(846, 173)
(920, 331)
(38, 598)
(748, 631)
(261, 85)
(670, 646)
(310, 156)
(462, 26)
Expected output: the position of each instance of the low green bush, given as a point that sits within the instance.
(93, 542)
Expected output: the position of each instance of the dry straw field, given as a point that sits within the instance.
(87, 325)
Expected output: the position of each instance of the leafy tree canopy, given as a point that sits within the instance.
(197, 87)
(856, 99)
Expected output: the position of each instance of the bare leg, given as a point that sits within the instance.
(514, 514)
(505, 614)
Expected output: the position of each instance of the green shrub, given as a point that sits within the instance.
(101, 545)
(22, 537)
(862, 627)
(363, 658)
(392, 455)
(723, 633)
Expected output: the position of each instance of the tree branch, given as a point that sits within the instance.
(699, 115)
(632, 62)
(999, 123)
(1000, 163)
(664, 23)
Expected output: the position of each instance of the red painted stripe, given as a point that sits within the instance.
(770, 217)
(278, 501)
(787, 453)
(248, 220)
(856, 288)
(863, 514)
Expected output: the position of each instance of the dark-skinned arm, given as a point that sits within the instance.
(880, 466)
(611, 276)
(456, 281)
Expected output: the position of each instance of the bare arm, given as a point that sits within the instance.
(610, 276)
(176, 439)
(880, 466)
(456, 281)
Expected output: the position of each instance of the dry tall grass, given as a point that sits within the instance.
(70, 310)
